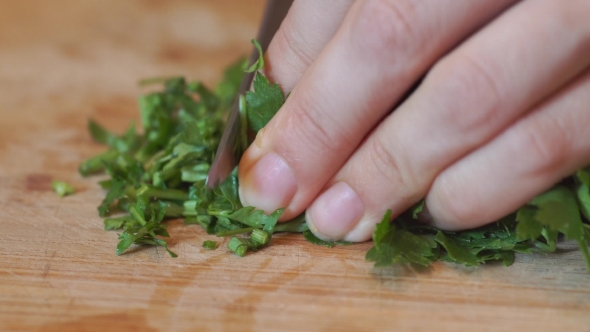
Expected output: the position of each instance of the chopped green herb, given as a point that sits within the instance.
(161, 174)
(237, 246)
(263, 103)
(62, 188)
(259, 64)
(456, 252)
(210, 245)
(309, 236)
(259, 236)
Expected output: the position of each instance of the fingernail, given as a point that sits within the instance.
(335, 212)
(268, 185)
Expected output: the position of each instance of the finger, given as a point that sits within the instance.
(468, 98)
(531, 156)
(382, 47)
(308, 27)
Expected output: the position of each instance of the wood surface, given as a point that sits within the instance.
(62, 61)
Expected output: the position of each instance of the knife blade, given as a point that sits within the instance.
(225, 158)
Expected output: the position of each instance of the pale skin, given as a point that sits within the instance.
(502, 114)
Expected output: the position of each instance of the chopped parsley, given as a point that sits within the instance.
(160, 174)
(210, 245)
(62, 188)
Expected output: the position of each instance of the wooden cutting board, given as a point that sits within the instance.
(62, 61)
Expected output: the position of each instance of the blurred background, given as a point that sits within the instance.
(88, 55)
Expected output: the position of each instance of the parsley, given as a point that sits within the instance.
(160, 174)
(210, 245)
(259, 64)
(309, 236)
(266, 99)
(62, 188)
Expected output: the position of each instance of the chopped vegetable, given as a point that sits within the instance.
(62, 188)
(210, 245)
(161, 174)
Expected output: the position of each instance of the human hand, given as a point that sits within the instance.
(502, 114)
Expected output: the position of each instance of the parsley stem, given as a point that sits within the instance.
(293, 226)
(210, 245)
(62, 188)
(584, 249)
(235, 232)
(259, 236)
(172, 194)
(190, 208)
(150, 162)
(96, 164)
(174, 210)
(237, 246)
(203, 220)
(137, 216)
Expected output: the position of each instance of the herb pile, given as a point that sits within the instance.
(160, 175)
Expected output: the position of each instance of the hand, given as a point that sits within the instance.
(502, 114)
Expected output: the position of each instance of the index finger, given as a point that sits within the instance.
(380, 50)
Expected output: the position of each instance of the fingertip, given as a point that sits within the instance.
(362, 232)
(267, 184)
(335, 212)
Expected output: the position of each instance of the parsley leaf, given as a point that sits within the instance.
(456, 252)
(309, 236)
(259, 64)
(263, 103)
(558, 209)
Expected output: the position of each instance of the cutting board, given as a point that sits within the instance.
(63, 61)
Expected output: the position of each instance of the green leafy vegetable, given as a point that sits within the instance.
(309, 236)
(62, 188)
(160, 174)
(395, 245)
(263, 103)
(259, 64)
(456, 252)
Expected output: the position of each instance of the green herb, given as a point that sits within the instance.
(62, 188)
(259, 64)
(210, 245)
(395, 245)
(266, 99)
(237, 246)
(160, 175)
(533, 228)
(309, 236)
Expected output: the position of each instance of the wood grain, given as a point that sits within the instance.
(63, 61)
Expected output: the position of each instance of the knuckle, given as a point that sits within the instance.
(387, 24)
(546, 145)
(293, 47)
(388, 166)
(453, 209)
(314, 128)
(480, 93)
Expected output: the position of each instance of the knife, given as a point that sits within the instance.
(226, 157)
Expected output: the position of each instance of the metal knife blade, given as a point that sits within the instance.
(225, 158)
